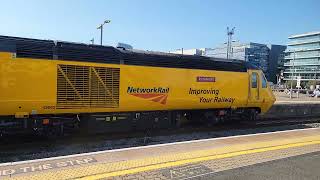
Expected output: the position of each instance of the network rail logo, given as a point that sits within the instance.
(155, 94)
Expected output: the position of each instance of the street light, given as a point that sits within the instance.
(101, 29)
(229, 45)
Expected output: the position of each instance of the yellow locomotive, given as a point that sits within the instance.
(48, 85)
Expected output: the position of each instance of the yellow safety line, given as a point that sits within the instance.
(195, 160)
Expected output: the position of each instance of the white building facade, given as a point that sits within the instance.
(303, 57)
(198, 52)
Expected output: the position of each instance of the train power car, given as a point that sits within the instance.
(53, 85)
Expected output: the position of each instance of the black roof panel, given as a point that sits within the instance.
(48, 49)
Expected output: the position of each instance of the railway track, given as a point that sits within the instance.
(33, 147)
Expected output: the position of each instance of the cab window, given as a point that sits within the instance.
(263, 82)
(254, 80)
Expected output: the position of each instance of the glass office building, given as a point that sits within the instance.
(264, 56)
(303, 57)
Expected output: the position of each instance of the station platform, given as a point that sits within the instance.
(292, 109)
(182, 160)
(286, 102)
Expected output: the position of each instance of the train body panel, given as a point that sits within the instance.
(182, 89)
(26, 86)
(37, 85)
(30, 86)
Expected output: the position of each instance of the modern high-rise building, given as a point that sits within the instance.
(264, 56)
(303, 57)
(276, 61)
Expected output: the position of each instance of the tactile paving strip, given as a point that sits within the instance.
(103, 169)
(218, 165)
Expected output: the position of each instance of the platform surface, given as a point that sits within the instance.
(294, 168)
(285, 102)
(183, 160)
(302, 98)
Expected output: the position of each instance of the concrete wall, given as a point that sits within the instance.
(283, 111)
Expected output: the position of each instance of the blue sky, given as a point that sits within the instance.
(160, 24)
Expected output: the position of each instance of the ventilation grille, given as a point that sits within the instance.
(67, 51)
(88, 53)
(87, 87)
(177, 61)
(29, 48)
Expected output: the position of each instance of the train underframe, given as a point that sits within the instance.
(118, 122)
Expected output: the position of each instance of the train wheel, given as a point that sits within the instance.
(54, 132)
(253, 115)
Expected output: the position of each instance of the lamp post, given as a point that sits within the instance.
(101, 29)
(230, 33)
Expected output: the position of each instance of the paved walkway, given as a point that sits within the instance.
(181, 160)
(294, 168)
(283, 97)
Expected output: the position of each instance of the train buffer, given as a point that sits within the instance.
(181, 160)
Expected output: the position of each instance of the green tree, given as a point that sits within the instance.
(312, 82)
(288, 84)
